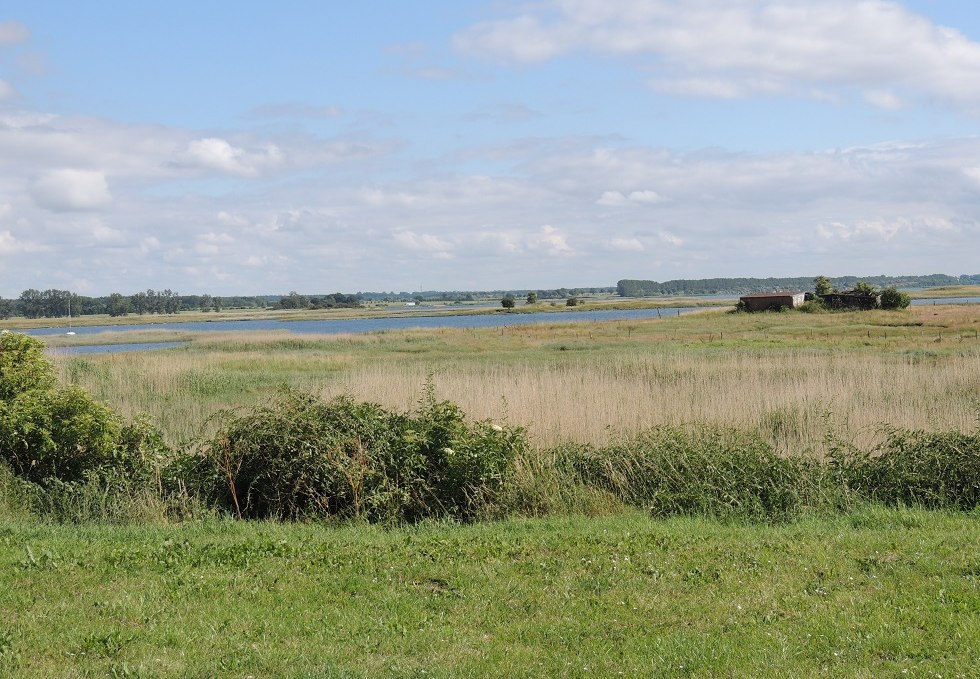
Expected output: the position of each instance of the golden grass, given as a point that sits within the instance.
(791, 375)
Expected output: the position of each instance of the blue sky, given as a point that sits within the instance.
(246, 148)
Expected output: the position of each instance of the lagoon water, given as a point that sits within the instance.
(365, 325)
(351, 325)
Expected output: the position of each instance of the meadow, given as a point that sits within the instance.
(869, 594)
(677, 506)
(792, 376)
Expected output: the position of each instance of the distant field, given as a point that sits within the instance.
(947, 291)
(868, 594)
(792, 375)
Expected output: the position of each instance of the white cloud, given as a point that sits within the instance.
(883, 99)
(13, 32)
(618, 199)
(212, 243)
(707, 48)
(69, 190)
(551, 240)
(420, 242)
(625, 245)
(611, 199)
(7, 90)
(9, 245)
(217, 154)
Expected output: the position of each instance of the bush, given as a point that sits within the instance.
(304, 457)
(702, 471)
(919, 468)
(23, 366)
(57, 433)
(52, 433)
(893, 299)
(572, 301)
(813, 306)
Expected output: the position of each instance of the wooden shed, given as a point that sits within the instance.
(772, 300)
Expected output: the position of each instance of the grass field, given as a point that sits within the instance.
(596, 588)
(869, 594)
(791, 375)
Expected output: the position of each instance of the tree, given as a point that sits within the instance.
(205, 302)
(6, 309)
(863, 288)
(572, 301)
(117, 305)
(508, 301)
(821, 286)
(31, 304)
(139, 303)
(891, 298)
(532, 298)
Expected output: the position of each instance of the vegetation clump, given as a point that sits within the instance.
(916, 468)
(304, 457)
(892, 298)
(57, 438)
(702, 470)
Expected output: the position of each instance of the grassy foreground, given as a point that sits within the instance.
(872, 593)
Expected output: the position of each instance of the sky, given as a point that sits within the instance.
(259, 148)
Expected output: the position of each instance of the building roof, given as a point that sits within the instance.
(774, 294)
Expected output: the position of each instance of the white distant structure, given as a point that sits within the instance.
(70, 331)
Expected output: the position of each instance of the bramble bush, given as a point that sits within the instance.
(303, 457)
(915, 468)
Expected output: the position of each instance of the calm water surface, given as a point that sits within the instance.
(362, 325)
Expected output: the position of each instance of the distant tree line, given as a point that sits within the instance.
(741, 286)
(480, 295)
(55, 303)
(337, 300)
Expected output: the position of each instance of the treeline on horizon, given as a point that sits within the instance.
(54, 303)
(739, 286)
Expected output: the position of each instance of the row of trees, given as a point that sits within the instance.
(741, 286)
(294, 300)
(57, 304)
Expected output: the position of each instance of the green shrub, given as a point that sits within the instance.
(57, 433)
(301, 456)
(918, 468)
(813, 306)
(703, 471)
(23, 366)
(893, 299)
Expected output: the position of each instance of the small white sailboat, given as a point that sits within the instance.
(70, 331)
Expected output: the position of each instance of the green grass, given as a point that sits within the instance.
(872, 593)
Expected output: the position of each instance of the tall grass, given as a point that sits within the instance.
(565, 388)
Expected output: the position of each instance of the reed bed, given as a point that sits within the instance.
(794, 377)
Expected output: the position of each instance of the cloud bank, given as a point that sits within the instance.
(741, 48)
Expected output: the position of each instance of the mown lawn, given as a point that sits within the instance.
(872, 593)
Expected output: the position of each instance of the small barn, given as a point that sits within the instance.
(772, 300)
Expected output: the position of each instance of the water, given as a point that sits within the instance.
(947, 300)
(364, 325)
